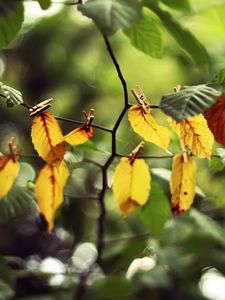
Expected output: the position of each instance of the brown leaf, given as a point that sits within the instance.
(215, 117)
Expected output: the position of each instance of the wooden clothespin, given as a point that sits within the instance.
(14, 153)
(136, 152)
(89, 119)
(177, 88)
(40, 107)
(184, 151)
(141, 99)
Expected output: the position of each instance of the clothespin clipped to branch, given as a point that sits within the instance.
(136, 152)
(184, 151)
(141, 99)
(89, 119)
(177, 88)
(40, 107)
(14, 153)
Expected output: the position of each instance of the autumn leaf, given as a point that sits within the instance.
(215, 117)
(79, 136)
(146, 126)
(8, 173)
(195, 134)
(49, 190)
(131, 185)
(48, 139)
(182, 183)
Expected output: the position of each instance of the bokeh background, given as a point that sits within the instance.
(60, 54)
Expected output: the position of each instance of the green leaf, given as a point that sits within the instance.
(221, 153)
(115, 288)
(182, 5)
(216, 165)
(13, 97)
(111, 15)
(220, 78)
(146, 37)
(183, 36)
(45, 4)
(15, 203)
(157, 211)
(189, 101)
(11, 19)
(72, 158)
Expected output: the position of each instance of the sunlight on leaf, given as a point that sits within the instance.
(131, 184)
(48, 139)
(146, 126)
(49, 190)
(79, 136)
(182, 183)
(195, 134)
(8, 173)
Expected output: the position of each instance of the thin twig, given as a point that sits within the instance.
(82, 123)
(146, 156)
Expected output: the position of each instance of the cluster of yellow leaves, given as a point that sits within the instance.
(49, 142)
(132, 181)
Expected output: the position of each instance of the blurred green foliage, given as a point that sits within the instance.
(63, 56)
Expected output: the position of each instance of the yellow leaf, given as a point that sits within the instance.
(182, 183)
(131, 184)
(146, 126)
(195, 134)
(49, 190)
(79, 136)
(8, 173)
(48, 139)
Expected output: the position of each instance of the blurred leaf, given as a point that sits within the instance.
(72, 158)
(216, 165)
(13, 97)
(5, 291)
(17, 201)
(207, 226)
(155, 278)
(221, 153)
(189, 101)
(8, 173)
(220, 77)
(45, 4)
(146, 37)
(111, 15)
(157, 211)
(11, 19)
(114, 288)
(215, 116)
(183, 36)
(182, 5)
